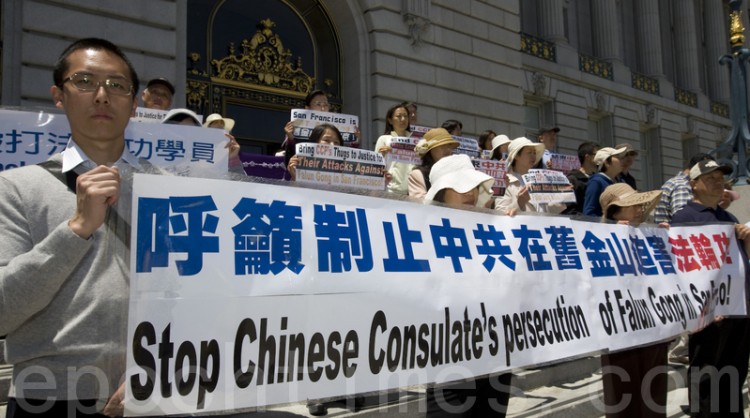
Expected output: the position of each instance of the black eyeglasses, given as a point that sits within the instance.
(120, 86)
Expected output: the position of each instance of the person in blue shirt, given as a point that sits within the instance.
(608, 163)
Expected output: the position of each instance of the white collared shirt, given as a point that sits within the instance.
(73, 156)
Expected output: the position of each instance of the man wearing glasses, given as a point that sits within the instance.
(63, 267)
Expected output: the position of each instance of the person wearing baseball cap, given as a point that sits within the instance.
(158, 94)
(723, 344)
(676, 192)
(607, 161)
(547, 136)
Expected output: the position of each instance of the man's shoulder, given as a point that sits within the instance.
(31, 175)
(676, 181)
(28, 172)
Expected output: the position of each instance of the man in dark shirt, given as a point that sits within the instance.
(627, 162)
(724, 345)
(580, 178)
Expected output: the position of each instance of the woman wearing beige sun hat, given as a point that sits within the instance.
(523, 155)
(644, 392)
(624, 205)
(434, 145)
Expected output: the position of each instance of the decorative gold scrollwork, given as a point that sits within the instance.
(263, 61)
(736, 29)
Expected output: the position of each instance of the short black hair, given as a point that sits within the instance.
(586, 148)
(97, 44)
(450, 125)
(319, 130)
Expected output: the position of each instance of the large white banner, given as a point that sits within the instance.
(248, 294)
(28, 138)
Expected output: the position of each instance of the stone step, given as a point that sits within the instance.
(569, 371)
(5, 374)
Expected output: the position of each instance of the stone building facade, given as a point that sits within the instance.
(644, 72)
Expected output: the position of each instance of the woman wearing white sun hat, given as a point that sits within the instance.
(215, 120)
(523, 155)
(457, 183)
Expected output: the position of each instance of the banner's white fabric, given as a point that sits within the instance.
(248, 294)
(32, 137)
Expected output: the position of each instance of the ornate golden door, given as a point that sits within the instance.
(254, 60)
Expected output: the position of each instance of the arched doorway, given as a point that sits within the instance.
(253, 61)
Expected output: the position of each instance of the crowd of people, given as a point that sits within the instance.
(63, 275)
(604, 189)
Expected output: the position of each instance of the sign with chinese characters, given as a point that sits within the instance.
(331, 165)
(548, 186)
(249, 294)
(306, 120)
(32, 137)
(402, 151)
(495, 169)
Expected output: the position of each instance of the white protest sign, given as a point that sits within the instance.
(563, 162)
(467, 145)
(32, 137)
(549, 186)
(495, 169)
(402, 150)
(270, 294)
(332, 165)
(305, 120)
(144, 114)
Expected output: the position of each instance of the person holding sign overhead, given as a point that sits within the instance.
(396, 124)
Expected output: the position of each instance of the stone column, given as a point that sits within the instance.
(607, 33)
(686, 45)
(551, 24)
(717, 44)
(648, 37)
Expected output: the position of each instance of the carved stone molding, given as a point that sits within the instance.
(539, 83)
(416, 15)
(650, 114)
(600, 101)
